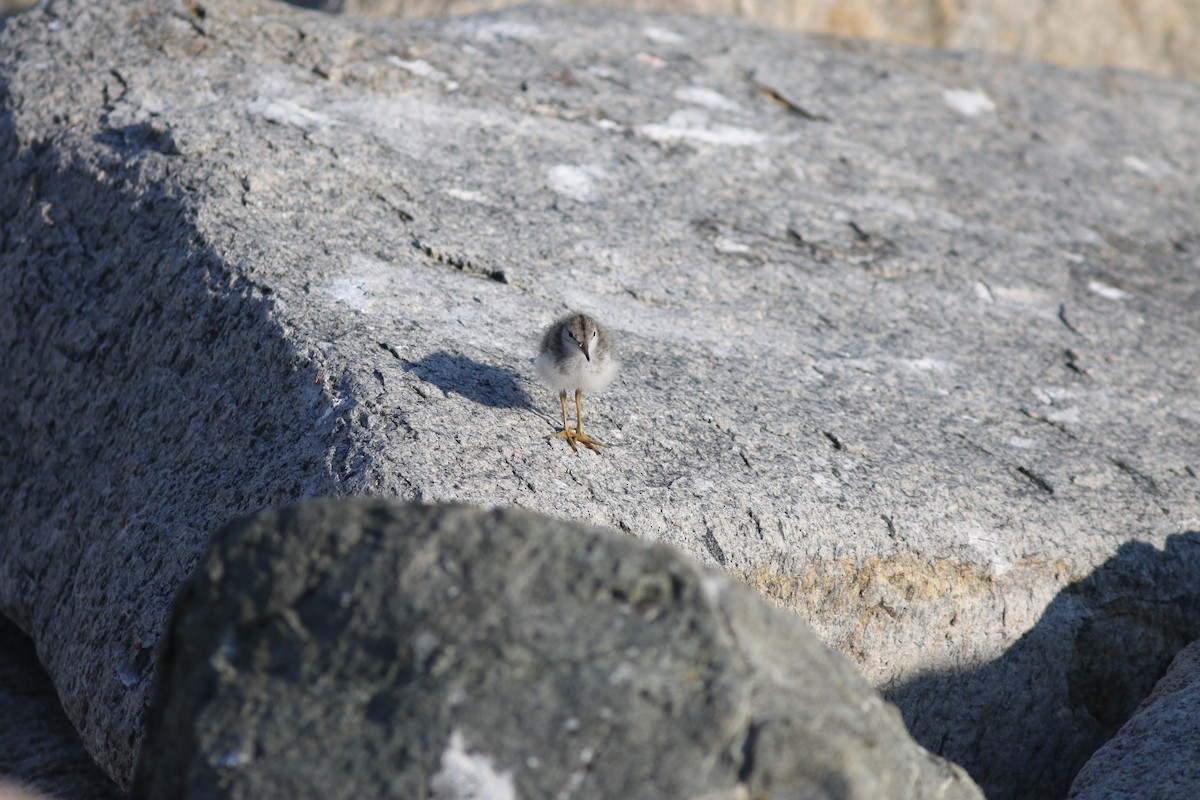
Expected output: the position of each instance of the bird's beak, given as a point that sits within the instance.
(586, 354)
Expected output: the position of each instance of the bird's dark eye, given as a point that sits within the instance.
(595, 334)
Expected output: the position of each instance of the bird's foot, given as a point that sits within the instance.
(587, 441)
(565, 433)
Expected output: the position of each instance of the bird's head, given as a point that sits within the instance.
(581, 331)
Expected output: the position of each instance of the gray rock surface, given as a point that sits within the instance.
(1155, 752)
(366, 648)
(908, 337)
(1101, 644)
(1156, 35)
(40, 750)
(1160, 36)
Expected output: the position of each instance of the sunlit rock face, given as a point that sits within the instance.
(907, 337)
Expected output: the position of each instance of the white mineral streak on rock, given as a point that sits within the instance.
(284, 111)
(694, 125)
(709, 98)
(968, 102)
(1106, 291)
(662, 35)
(575, 182)
(470, 776)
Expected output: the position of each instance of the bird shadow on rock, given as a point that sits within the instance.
(480, 383)
(1025, 723)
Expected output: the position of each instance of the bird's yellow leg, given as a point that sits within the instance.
(580, 436)
(565, 433)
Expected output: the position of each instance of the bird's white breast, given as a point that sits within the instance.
(575, 372)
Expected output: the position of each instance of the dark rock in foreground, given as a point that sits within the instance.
(361, 648)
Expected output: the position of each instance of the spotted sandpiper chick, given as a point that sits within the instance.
(576, 355)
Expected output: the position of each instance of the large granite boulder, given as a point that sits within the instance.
(1160, 36)
(361, 648)
(907, 336)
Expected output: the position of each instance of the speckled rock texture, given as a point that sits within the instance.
(366, 648)
(40, 752)
(1154, 753)
(1160, 36)
(908, 337)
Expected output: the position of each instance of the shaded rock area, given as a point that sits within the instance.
(40, 752)
(364, 648)
(1154, 753)
(1110, 636)
(908, 337)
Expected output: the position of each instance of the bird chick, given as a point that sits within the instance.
(576, 355)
